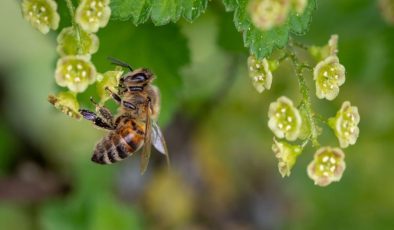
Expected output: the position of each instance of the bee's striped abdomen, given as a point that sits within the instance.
(120, 144)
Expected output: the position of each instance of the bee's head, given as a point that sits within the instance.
(137, 77)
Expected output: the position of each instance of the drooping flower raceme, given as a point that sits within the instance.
(69, 45)
(93, 14)
(345, 124)
(327, 166)
(284, 119)
(287, 155)
(260, 73)
(75, 72)
(328, 74)
(67, 103)
(266, 14)
(41, 14)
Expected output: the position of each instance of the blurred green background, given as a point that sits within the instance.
(224, 174)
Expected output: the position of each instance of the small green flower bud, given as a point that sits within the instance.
(75, 72)
(266, 14)
(260, 73)
(321, 53)
(109, 79)
(68, 43)
(345, 124)
(41, 14)
(284, 119)
(92, 14)
(67, 103)
(328, 74)
(287, 155)
(327, 166)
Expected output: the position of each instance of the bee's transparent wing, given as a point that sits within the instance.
(148, 141)
(158, 139)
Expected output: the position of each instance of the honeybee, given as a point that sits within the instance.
(135, 126)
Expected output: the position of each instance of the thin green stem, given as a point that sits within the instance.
(75, 26)
(306, 98)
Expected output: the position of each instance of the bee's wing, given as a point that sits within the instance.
(148, 140)
(158, 141)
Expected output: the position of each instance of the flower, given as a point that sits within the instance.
(75, 72)
(284, 119)
(266, 14)
(108, 79)
(299, 5)
(345, 124)
(92, 14)
(260, 73)
(287, 155)
(41, 14)
(387, 10)
(328, 74)
(68, 43)
(327, 166)
(67, 103)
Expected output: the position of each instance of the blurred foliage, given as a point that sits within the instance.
(224, 174)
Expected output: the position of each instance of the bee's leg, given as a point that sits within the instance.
(98, 121)
(119, 100)
(103, 112)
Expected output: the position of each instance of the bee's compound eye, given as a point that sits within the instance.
(139, 77)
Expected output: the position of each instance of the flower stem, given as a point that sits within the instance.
(75, 26)
(306, 98)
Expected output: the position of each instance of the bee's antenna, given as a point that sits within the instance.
(119, 63)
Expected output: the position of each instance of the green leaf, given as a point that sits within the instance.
(160, 11)
(261, 43)
(141, 48)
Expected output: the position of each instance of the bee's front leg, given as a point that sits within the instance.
(119, 100)
(98, 121)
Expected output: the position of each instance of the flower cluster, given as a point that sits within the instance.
(76, 44)
(300, 122)
(93, 14)
(42, 14)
